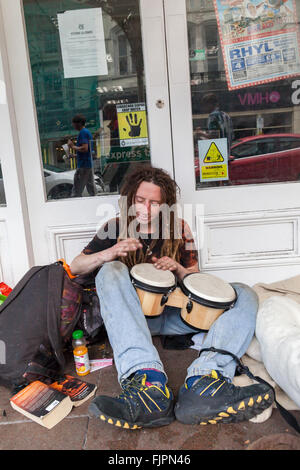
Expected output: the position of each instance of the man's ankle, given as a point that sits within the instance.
(195, 378)
(153, 377)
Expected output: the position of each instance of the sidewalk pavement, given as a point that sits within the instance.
(79, 431)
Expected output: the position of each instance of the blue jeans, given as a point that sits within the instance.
(130, 333)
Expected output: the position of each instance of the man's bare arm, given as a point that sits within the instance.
(181, 271)
(83, 148)
(85, 264)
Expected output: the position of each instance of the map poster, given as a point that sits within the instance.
(260, 40)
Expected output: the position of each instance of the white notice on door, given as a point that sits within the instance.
(82, 42)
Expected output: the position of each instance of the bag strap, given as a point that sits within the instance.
(242, 369)
(66, 268)
(55, 288)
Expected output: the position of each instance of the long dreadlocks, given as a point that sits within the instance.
(168, 227)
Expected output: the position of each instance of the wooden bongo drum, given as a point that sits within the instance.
(153, 287)
(202, 298)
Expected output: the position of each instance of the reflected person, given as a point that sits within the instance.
(84, 175)
(110, 114)
(219, 123)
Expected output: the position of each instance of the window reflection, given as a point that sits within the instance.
(58, 99)
(264, 111)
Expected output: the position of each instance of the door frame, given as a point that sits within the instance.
(61, 223)
(16, 254)
(48, 228)
(228, 212)
(280, 195)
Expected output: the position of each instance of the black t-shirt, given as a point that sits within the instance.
(108, 234)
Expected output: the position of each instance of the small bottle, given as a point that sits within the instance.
(81, 355)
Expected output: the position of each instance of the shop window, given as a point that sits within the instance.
(211, 43)
(123, 60)
(86, 59)
(124, 65)
(244, 69)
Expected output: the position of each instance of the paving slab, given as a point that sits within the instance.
(69, 434)
(11, 414)
(276, 442)
(178, 436)
(79, 431)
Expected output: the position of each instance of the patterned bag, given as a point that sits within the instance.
(36, 321)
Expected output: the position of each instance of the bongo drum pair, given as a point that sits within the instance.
(202, 298)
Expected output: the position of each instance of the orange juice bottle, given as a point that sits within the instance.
(81, 355)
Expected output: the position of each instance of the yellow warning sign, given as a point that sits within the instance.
(132, 122)
(133, 125)
(214, 171)
(213, 158)
(213, 154)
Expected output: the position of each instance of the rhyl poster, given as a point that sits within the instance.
(260, 40)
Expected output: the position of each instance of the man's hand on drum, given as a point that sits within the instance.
(122, 248)
(165, 263)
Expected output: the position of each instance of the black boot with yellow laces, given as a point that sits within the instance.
(146, 401)
(213, 399)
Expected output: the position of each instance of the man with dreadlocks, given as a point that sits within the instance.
(140, 234)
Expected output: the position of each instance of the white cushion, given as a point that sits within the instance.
(278, 333)
(254, 351)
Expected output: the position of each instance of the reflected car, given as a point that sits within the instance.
(59, 183)
(263, 159)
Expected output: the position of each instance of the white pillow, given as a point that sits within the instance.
(278, 333)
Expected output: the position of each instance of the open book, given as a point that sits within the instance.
(47, 405)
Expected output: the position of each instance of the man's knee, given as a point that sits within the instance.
(112, 271)
(245, 290)
(247, 302)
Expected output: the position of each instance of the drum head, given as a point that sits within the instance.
(148, 274)
(209, 287)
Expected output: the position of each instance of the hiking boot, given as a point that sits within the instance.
(142, 404)
(212, 399)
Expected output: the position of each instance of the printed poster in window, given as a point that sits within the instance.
(132, 121)
(82, 42)
(260, 40)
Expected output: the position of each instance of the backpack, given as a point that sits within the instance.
(90, 320)
(36, 323)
